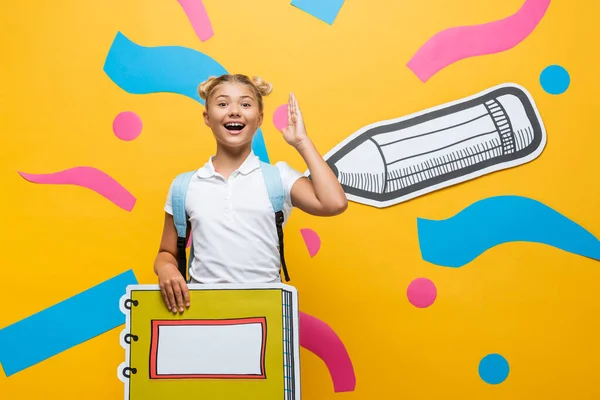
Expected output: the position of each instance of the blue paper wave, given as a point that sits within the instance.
(165, 69)
(64, 325)
(458, 240)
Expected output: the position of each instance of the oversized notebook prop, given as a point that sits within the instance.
(234, 342)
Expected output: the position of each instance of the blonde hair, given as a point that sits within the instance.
(258, 86)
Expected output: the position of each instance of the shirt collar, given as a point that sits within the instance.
(250, 164)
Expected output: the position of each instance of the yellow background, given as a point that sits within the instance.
(536, 305)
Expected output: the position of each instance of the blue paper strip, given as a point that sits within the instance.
(325, 10)
(458, 240)
(258, 146)
(64, 325)
(165, 69)
(143, 70)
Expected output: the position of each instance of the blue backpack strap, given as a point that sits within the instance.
(276, 193)
(178, 195)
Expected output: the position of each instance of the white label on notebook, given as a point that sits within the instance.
(210, 349)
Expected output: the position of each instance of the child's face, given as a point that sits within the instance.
(233, 114)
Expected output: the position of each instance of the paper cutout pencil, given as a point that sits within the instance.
(392, 161)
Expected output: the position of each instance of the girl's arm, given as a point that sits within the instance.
(172, 285)
(322, 195)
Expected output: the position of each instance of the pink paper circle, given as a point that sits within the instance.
(421, 292)
(127, 125)
(280, 117)
(312, 241)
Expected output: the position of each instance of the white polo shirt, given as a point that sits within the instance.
(233, 224)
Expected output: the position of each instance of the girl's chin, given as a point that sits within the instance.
(235, 141)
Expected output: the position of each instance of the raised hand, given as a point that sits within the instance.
(295, 132)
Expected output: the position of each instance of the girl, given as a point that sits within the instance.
(234, 236)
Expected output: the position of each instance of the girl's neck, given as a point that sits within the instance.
(228, 160)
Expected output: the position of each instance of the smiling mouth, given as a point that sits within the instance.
(234, 127)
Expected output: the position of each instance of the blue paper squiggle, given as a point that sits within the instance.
(64, 325)
(142, 70)
(165, 69)
(458, 240)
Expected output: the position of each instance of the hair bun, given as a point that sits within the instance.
(204, 87)
(264, 87)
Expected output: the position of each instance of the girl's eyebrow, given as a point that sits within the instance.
(241, 97)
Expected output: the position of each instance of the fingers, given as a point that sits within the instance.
(186, 294)
(171, 303)
(165, 297)
(178, 296)
(293, 103)
(296, 107)
(175, 294)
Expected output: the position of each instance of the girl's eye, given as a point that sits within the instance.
(222, 104)
(246, 105)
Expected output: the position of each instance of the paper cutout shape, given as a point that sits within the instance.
(63, 325)
(454, 44)
(259, 147)
(393, 161)
(555, 79)
(162, 69)
(421, 292)
(127, 125)
(325, 10)
(165, 69)
(90, 178)
(458, 240)
(493, 369)
(196, 13)
(234, 341)
(312, 241)
(318, 338)
(280, 117)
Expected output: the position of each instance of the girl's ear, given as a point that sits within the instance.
(206, 121)
(260, 119)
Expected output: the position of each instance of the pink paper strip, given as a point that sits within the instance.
(457, 43)
(312, 241)
(317, 337)
(90, 178)
(196, 13)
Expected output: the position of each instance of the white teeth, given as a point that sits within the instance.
(234, 124)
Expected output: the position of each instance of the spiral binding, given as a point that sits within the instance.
(127, 371)
(129, 336)
(128, 303)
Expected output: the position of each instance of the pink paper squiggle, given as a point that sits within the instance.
(90, 178)
(454, 44)
(196, 13)
(317, 337)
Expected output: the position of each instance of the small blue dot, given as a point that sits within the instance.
(555, 79)
(493, 369)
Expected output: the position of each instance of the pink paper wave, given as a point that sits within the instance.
(90, 178)
(312, 241)
(317, 337)
(196, 13)
(457, 43)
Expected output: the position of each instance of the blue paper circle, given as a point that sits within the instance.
(493, 369)
(555, 79)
